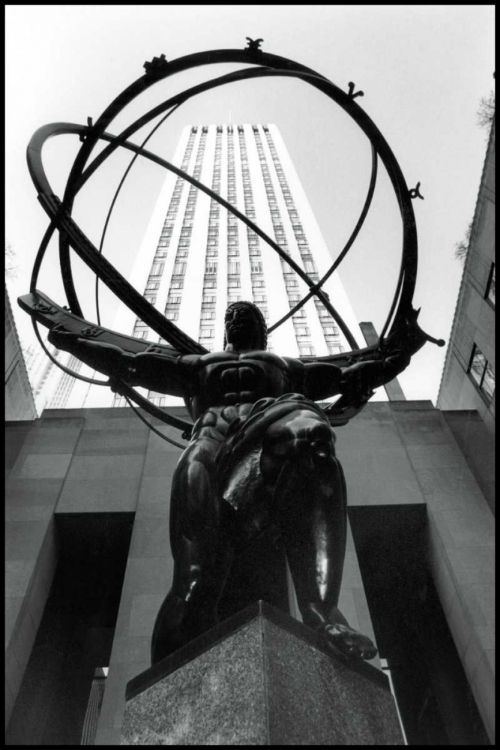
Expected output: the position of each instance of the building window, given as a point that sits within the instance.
(207, 333)
(157, 269)
(151, 298)
(306, 351)
(490, 286)
(211, 268)
(208, 315)
(482, 372)
(152, 285)
(335, 348)
(171, 316)
(233, 267)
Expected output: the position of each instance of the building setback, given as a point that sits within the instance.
(19, 402)
(467, 392)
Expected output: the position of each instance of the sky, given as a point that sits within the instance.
(423, 70)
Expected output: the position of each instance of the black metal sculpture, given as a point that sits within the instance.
(261, 449)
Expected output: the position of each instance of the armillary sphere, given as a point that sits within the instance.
(401, 320)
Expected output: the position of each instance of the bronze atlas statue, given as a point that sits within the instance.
(261, 450)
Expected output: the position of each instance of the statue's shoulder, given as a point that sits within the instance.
(293, 364)
(213, 358)
(262, 355)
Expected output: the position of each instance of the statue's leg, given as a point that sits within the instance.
(202, 553)
(311, 503)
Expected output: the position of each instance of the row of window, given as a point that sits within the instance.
(490, 286)
(482, 373)
(167, 230)
(256, 269)
(179, 269)
(302, 330)
(207, 310)
(327, 322)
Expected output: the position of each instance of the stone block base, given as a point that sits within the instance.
(260, 678)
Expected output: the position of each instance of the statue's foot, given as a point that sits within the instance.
(176, 625)
(345, 640)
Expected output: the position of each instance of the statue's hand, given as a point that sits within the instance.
(361, 378)
(62, 339)
(106, 358)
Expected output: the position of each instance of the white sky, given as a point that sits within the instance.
(423, 70)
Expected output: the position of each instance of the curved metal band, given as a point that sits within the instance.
(120, 141)
(71, 234)
(152, 427)
(121, 101)
(409, 259)
(114, 280)
(127, 391)
(115, 198)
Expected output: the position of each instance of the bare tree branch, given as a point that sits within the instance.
(462, 247)
(486, 112)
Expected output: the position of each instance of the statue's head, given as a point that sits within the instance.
(245, 326)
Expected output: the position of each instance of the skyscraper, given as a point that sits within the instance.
(19, 401)
(197, 257)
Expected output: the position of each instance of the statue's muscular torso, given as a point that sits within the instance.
(238, 380)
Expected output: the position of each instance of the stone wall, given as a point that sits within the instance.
(106, 460)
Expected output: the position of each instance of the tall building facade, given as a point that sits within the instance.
(468, 380)
(467, 391)
(19, 401)
(197, 257)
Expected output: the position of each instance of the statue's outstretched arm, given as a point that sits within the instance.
(164, 370)
(324, 379)
(365, 376)
(321, 380)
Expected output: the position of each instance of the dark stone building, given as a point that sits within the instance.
(88, 565)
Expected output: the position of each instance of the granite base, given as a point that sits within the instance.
(260, 678)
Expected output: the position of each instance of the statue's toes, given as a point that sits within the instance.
(350, 643)
(368, 650)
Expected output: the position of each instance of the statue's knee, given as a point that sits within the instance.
(305, 441)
